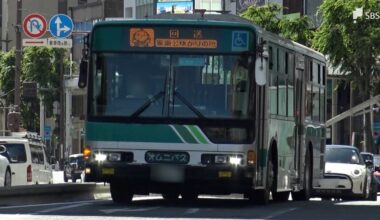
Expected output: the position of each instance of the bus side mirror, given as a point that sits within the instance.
(260, 71)
(82, 82)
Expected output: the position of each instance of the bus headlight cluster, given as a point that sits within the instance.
(109, 156)
(100, 157)
(222, 159)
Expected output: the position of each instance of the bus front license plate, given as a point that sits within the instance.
(224, 174)
(108, 171)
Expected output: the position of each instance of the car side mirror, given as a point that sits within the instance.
(3, 149)
(368, 163)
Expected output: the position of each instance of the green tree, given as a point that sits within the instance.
(41, 65)
(268, 17)
(352, 46)
(7, 73)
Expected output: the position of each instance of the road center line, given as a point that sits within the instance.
(280, 212)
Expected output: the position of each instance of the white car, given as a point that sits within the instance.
(5, 169)
(27, 157)
(346, 174)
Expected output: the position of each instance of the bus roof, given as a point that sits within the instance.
(227, 20)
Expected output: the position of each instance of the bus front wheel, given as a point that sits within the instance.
(304, 194)
(261, 197)
(120, 193)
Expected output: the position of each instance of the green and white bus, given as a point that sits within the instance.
(184, 105)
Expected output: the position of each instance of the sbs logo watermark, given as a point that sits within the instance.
(359, 12)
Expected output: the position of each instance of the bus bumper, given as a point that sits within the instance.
(218, 179)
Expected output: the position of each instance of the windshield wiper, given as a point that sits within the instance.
(146, 104)
(188, 104)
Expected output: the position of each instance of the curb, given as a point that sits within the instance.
(33, 194)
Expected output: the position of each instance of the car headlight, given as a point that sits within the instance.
(356, 173)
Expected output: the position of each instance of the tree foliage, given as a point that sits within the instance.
(7, 73)
(352, 47)
(268, 17)
(41, 65)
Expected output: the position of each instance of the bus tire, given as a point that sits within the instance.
(189, 196)
(170, 196)
(261, 197)
(304, 194)
(281, 196)
(120, 193)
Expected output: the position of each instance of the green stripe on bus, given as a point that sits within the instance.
(185, 134)
(98, 131)
(198, 134)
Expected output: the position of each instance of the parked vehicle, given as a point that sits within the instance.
(376, 173)
(346, 174)
(5, 169)
(74, 168)
(27, 157)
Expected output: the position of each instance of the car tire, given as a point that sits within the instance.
(373, 193)
(65, 179)
(8, 178)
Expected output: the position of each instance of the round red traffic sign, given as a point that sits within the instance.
(34, 25)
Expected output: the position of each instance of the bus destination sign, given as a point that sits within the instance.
(146, 37)
(172, 39)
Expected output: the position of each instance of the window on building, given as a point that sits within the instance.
(77, 105)
(128, 12)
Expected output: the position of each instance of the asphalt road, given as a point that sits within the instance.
(207, 207)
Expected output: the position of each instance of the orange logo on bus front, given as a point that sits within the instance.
(141, 37)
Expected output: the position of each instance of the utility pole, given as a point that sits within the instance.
(17, 95)
(62, 125)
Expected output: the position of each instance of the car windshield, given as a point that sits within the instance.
(78, 160)
(367, 157)
(15, 153)
(343, 155)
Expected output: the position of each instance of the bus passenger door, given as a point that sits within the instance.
(299, 114)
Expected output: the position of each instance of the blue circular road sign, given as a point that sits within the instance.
(61, 26)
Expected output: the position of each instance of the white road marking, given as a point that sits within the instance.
(62, 208)
(191, 211)
(49, 204)
(111, 211)
(280, 212)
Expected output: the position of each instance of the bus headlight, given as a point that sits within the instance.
(114, 156)
(221, 158)
(234, 160)
(100, 157)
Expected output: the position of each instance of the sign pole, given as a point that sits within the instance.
(17, 99)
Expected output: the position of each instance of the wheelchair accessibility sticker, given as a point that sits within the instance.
(239, 40)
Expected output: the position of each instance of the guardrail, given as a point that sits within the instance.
(45, 193)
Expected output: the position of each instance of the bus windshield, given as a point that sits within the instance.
(171, 85)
